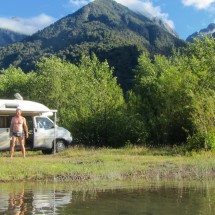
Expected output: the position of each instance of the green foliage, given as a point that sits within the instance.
(13, 80)
(176, 96)
(201, 141)
(88, 99)
(159, 92)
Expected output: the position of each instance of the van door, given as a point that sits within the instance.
(4, 132)
(43, 132)
(29, 142)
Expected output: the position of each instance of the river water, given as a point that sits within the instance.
(115, 197)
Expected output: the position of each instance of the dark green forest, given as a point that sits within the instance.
(8, 37)
(172, 101)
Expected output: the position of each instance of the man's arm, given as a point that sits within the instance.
(25, 127)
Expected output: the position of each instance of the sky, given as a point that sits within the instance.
(29, 16)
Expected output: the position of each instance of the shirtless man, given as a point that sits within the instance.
(18, 123)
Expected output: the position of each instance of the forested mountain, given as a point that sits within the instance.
(165, 26)
(103, 27)
(7, 37)
(210, 30)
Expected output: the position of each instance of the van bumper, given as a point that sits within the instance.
(68, 140)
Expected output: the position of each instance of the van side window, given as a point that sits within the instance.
(2, 122)
(44, 123)
(5, 121)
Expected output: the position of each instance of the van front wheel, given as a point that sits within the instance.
(60, 145)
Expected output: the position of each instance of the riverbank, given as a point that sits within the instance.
(81, 164)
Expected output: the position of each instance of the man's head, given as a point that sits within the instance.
(18, 112)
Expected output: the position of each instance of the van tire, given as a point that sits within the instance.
(60, 146)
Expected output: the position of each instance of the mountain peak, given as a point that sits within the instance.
(110, 30)
(210, 30)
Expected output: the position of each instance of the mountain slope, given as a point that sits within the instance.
(8, 37)
(165, 26)
(210, 30)
(104, 27)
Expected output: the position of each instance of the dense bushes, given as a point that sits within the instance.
(176, 96)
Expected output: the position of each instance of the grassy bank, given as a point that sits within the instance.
(102, 164)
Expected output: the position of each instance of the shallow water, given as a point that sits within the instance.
(127, 197)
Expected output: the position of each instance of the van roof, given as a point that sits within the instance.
(27, 107)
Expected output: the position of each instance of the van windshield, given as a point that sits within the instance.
(43, 122)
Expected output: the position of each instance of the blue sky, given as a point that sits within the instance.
(29, 16)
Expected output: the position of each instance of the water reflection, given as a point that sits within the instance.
(24, 199)
(47, 201)
(16, 203)
(147, 198)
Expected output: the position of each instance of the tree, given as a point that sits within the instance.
(175, 95)
(87, 97)
(201, 62)
(14, 80)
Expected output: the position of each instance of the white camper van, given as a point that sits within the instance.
(44, 134)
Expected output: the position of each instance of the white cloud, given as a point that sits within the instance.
(79, 3)
(147, 8)
(33, 24)
(199, 4)
(26, 26)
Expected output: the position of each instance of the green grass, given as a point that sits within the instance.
(85, 164)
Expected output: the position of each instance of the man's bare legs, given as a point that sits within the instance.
(13, 146)
(21, 142)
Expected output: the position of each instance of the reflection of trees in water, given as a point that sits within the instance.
(153, 199)
(56, 199)
(48, 201)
